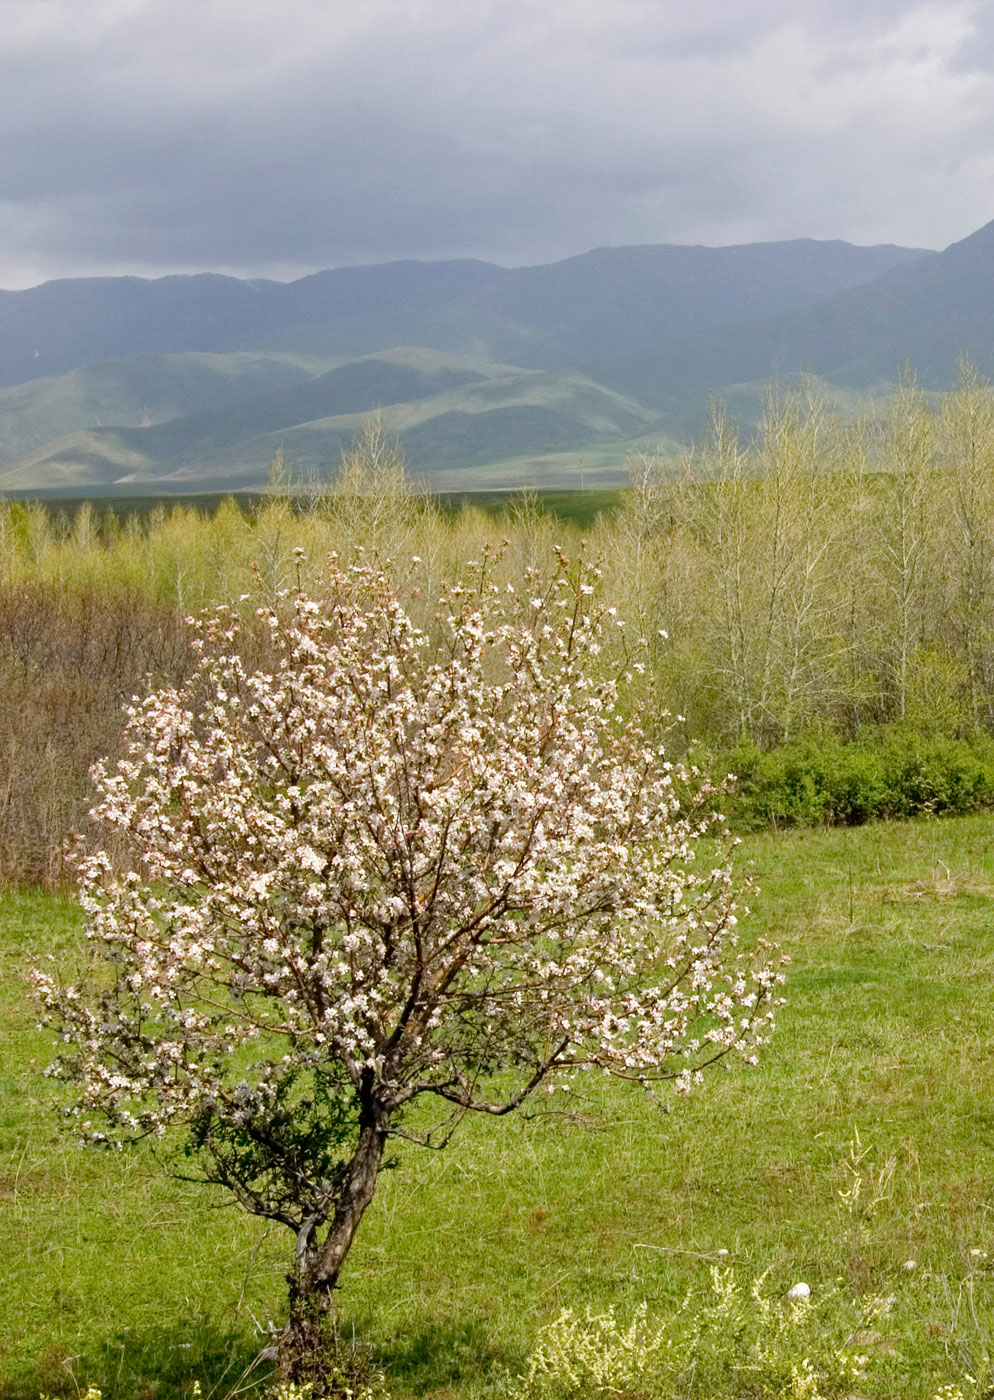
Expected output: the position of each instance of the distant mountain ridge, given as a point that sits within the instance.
(479, 370)
(927, 313)
(62, 325)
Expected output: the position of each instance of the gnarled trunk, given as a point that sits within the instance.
(305, 1351)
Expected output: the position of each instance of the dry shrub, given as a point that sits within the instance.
(70, 659)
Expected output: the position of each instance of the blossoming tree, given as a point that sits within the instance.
(393, 868)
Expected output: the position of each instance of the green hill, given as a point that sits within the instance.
(476, 368)
(141, 390)
(460, 426)
(99, 457)
(357, 387)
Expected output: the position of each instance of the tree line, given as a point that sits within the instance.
(829, 578)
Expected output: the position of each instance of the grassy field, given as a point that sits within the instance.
(863, 1140)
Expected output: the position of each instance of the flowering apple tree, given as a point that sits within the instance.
(392, 867)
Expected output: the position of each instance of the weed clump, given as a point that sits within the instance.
(727, 1341)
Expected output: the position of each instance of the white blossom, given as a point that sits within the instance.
(386, 864)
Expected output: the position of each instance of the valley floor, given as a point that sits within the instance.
(863, 1140)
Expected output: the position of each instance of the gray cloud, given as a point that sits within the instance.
(264, 137)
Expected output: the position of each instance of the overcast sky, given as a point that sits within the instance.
(273, 137)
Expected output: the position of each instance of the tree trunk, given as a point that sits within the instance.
(305, 1352)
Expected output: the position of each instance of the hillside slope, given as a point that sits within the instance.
(462, 424)
(620, 295)
(62, 325)
(472, 365)
(927, 314)
(141, 390)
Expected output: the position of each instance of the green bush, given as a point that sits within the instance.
(885, 773)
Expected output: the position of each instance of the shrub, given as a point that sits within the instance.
(69, 659)
(886, 772)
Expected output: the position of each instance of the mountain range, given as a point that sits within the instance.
(488, 376)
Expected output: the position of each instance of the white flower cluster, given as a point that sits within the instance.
(413, 862)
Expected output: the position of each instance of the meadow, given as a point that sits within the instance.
(827, 596)
(862, 1141)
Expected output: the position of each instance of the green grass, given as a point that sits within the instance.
(595, 466)
(117, 1277)
(575, 507)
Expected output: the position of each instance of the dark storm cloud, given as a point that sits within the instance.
(147, 135)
